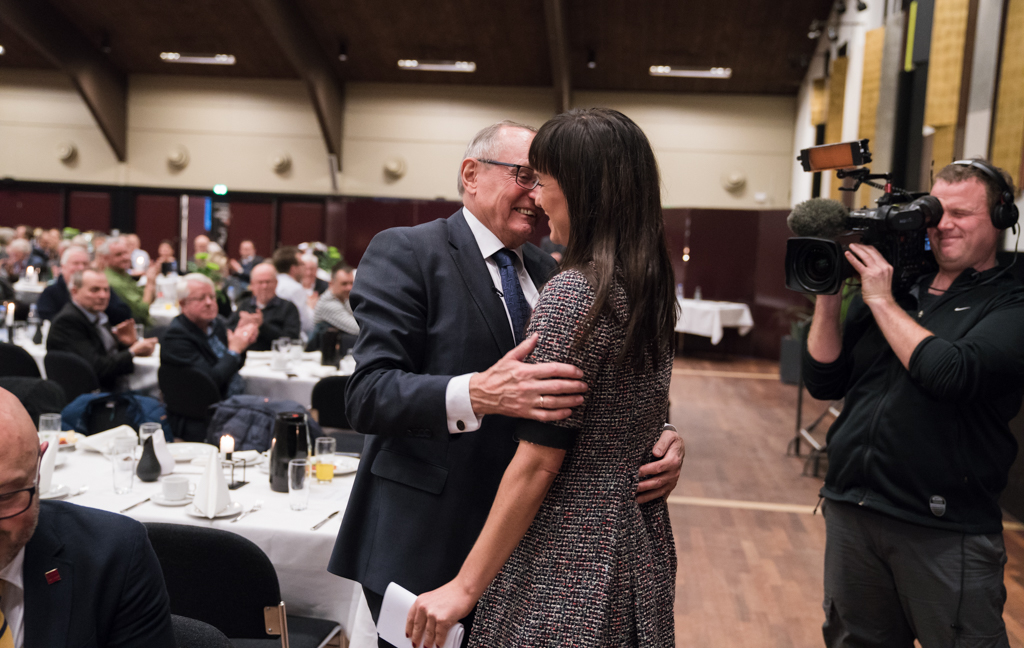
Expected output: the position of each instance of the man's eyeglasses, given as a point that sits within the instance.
(17, 502)
(525, 176)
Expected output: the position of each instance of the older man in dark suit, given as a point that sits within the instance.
(440, 379)
(276, 317)
(82, 328)
(70, 575)
(198, 339)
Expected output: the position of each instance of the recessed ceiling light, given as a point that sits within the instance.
(198, 59)
(691, 72)
(437, 66)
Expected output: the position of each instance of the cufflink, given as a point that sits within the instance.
(461, 425)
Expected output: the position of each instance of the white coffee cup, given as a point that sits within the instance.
(175, 488)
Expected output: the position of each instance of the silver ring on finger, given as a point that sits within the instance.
(542, 402)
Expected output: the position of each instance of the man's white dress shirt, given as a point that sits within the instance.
(291, 290)
(13, 602)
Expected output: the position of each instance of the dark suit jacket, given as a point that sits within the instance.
(280, 319)
(111, 589)
(247, 268)
(55, 296)
(320, 286)
(427, 312)
(72, 331)
(184, 345)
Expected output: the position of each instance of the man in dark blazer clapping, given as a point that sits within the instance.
(439, 376)
(81, 328)
(72, 575)
(276, 317)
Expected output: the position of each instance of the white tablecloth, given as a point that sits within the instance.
(260, 379)
(299, 554)
(163, 312)
(709, 318)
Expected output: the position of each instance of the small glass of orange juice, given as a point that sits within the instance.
(325, 447)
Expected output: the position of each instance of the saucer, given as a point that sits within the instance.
(185, 451)
(60, 491)
(162, 501)
(232, 510)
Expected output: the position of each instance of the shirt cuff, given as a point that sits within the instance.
(458, 407)
(233, 354)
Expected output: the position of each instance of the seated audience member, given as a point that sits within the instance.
(81, 328)
(117, 260)
(247, 260)
(139, 257)
(18, 252)
(56, 295)
(165, 254)
(310, 281)
(200, 245)
(334, 307)
(276, 317)
(290, 272)
(72, 575)
(198, 338)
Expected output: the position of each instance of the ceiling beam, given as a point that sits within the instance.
(299, 44)
(103, 87)
(558, 46)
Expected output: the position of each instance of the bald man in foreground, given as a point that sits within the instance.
(70, 575)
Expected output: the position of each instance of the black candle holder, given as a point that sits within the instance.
(234, 485)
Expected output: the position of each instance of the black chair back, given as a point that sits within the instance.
(188, 395)
(71, 372)
(216, 577)
(15, 361)
(191, 633)
(329, 401)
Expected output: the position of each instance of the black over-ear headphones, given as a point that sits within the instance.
(1005, 212)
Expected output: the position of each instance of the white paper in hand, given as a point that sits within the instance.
(394, 611)
(212, 493)
(46, 467)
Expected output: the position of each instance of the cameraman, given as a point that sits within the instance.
(922, 449)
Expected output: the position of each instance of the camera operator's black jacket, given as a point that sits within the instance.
(931, 445)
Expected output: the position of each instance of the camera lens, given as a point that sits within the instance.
(817, 266)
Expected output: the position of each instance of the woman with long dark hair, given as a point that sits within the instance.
(567, 556)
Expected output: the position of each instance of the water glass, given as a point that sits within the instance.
(49, 423)
(140, 331)
(298, 484)
(325, 447)
(280, 351)
(122, 458)
(147, 430)
(296, 350)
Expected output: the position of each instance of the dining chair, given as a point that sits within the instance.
(15, 361)
(222, 579)
(71, 372)
(328, 399)
(192, 633)
(188, 394)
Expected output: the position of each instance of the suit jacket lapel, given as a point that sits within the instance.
(466, 254)
(47, 607)
(539, 264)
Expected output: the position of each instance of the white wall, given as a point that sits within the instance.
(232, 128)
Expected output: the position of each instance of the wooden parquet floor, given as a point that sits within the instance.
(751, 574)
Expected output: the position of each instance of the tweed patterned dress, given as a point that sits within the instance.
(595, 568)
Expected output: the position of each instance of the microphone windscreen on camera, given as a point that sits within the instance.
(820, 217)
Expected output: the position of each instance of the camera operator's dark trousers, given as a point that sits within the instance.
(887, 582)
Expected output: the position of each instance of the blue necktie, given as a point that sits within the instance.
(237, 385)
(518, 308)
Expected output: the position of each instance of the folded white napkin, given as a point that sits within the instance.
(163, 454)
(46, 468)
(212, 493)
(103, 441)
(394, 611)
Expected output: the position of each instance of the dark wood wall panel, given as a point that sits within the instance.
(32, 208)
(196, 222)
(723, 245)
(299, 222)
(773, 302)
(156, 219)
(89, 210)
(365, 218)
(252, 221)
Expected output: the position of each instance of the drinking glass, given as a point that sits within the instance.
(122, 458)
(140, 331)
(325, 447)
(49, 423)
(147, 430)
(298, 484)
(296, 350)
(279, 354)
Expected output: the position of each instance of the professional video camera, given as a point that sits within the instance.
(815, 262)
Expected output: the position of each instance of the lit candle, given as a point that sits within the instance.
(9, 320)
(227, 445)
(30, 275)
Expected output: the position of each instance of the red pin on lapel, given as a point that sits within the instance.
(52, 576)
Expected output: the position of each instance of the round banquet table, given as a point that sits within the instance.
(299, 554)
